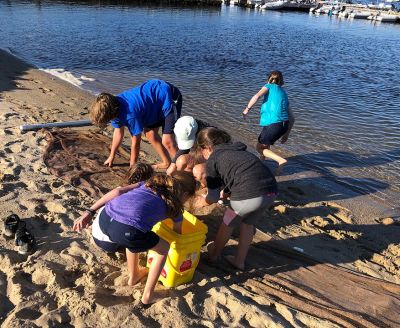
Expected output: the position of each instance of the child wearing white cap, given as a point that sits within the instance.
(185, 130)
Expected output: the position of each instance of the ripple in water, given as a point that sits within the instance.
(341, 75)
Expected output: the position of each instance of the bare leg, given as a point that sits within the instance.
(155, 140)
(260, 148)
(135, 271)
(245, 239)
(155, 270)
(222, 237)
(266, 152)
(168, 141)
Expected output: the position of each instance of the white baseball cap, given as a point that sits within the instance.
(185, 132)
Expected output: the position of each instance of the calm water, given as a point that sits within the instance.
(342, 76)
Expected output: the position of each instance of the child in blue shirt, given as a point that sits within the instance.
(145, 108)
(127, 215)
(276, 118)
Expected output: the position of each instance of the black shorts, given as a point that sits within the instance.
(124, 236)
(168, 123)
(273, 132)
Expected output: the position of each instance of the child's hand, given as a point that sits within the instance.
(245, 112)
(83, 222)
(109, 161)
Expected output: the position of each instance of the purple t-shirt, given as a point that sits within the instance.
(140, 208)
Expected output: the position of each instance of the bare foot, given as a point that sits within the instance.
(160, 166)
(132, 281)
(232, 261)
(156, 296)
(280, 167)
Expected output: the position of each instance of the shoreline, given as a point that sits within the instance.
(382, 202)
(365, 209)
(67, 280)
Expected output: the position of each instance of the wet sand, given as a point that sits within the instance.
(315, 234)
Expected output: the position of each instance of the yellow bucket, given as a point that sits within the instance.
(184, 251)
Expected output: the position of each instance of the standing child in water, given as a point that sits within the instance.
(276, 118)
(127, 215)
(252, 186)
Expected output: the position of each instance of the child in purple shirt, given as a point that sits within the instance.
(127, 215)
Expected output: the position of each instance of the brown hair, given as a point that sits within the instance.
(210, 137)
(139, 172)
(201, 125)
(172, 189)
(104, 109)
(275, 77)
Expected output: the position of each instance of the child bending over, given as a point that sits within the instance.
(127, 215)
(146, 108)
(252, 187)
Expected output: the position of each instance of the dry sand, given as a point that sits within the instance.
(314, 262)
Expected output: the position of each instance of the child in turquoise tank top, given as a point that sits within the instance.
(276, 118)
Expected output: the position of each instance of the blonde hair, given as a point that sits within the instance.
(104, 109)
(210, 137)
(275, 77)
(139, 172)
(173, 189)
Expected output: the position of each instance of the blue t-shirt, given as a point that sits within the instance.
(275, 106)
(140, 208)
(143, 106)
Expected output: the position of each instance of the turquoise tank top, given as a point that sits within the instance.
(275, 106)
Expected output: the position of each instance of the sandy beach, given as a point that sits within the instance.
(320, 259)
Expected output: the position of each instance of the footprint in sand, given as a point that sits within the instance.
(47, 91)
(6, 131)
(43, 276)
(27, 314)
(9, 191)
(78, 253)
(68, 103)
(54, 207)
(56, 110)
(56, 318)
(339, 214)
(20, 287)
(36, 81)
(6, 116)
(6, 305)
(11, 169)
(16, 148)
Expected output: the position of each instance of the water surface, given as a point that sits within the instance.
(342, 76)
